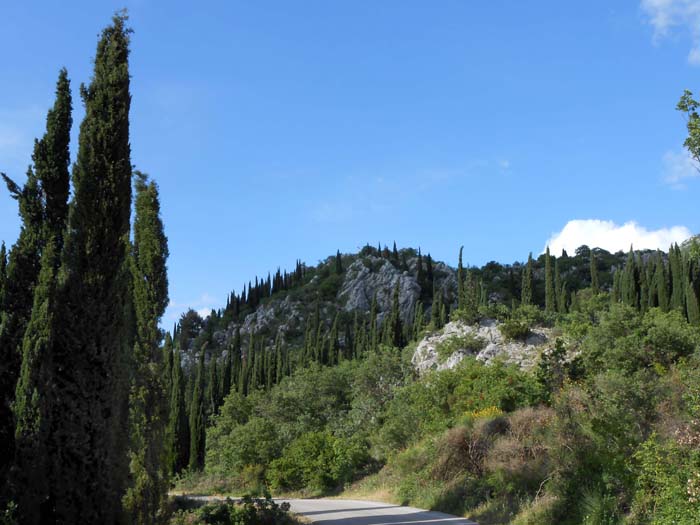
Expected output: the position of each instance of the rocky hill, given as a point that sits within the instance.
(342, 288)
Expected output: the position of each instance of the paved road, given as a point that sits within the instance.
(354, 512)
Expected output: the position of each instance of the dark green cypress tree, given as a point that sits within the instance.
(558, 285)
(3, 272)
(373, 331)
(168, 358)
(595, 283)
(420, 277)
(418, 322)
(333, 344)
(460, 281)
(21, 277)
(197, 418)
(643, 285)
(226, 375)
(338, 263)
(213, 388)
(675, 265)
(147, 496)
(178, 431)
(630, 281)
(395, 324)
(550, 293)
(661, 283)
(692, 308)
(616, 295)
(47, 188)
(435, 310)
(527, 286)
(94, 336)
(280, 368)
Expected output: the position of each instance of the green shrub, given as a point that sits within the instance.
(316, 461)
(514, 329)
(468, 342)
(247, 511)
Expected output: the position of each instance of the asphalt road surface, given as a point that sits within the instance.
(354, 512)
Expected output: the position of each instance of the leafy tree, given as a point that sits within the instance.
(689, 106)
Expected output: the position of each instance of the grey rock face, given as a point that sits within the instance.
(372, 276)
(522, 353)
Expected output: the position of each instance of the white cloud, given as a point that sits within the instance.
(204, 304)
(666, 15)
(678, 166)
(613, 237)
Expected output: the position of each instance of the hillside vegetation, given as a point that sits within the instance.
(602, 428)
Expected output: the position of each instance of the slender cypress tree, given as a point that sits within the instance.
(338, 263)
(661, 283)
(94, 336)
(147, 495)
(178, 432)
(47, 189)
(460, 281)
(675, 265)
(595, 284)
(373, 331)
(396, 326)
(418, 321)
(226, 374)
(561, 298)
(550, 293)
(526, 289)
(197, 418)
(693, 310)
(213, 388)
(3, 271)
(21, 277)
(630, 281)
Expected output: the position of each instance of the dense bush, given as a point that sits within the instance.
(247, 511)
(316, 461)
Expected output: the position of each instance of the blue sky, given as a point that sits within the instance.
(284, 130)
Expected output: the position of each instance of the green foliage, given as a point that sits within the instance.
(316, 461)
(146, 498)
(247, 511)
(469, 342)
(514, 329)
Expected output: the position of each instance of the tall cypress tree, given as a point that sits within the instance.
(197, 418)
(595, 284)
(148, 404)
(396, 326)
(460, 281)
(213, 388)
(550, 294)
(178, 431)
(558, 285)
(526, 289)
(675, 265)
(338, 263)
(94, 336)
(21, 278)
(3, 271)
(47, 194)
